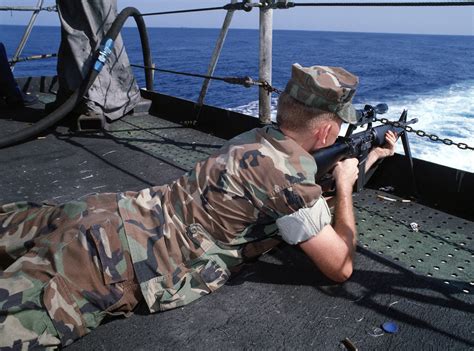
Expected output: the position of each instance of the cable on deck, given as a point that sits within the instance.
(32, 57)
(244, 81)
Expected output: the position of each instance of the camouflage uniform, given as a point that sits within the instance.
(184, 236)
(70, 266)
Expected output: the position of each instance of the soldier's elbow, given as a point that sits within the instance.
(343, 274)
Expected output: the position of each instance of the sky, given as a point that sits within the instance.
(422, 20)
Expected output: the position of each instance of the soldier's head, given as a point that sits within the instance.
(316, 101)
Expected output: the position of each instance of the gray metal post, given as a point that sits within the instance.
(19, 8)
(216, 54)
(27, 33)
(265, 65)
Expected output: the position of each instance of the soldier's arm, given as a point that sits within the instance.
(332, 249)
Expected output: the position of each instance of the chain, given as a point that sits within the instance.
(248, 82)
(421, 133)
(266, 86)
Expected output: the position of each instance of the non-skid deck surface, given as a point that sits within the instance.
(281, 301)
(181, 147)
(426, 241)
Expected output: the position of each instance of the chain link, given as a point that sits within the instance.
(266, 86)
(51, 8)
(421, 133)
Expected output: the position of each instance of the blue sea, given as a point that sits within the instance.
(431, 76)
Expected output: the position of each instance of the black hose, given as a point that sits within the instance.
(145, 49)
(58, 114)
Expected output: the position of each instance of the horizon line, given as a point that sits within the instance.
(274, 29)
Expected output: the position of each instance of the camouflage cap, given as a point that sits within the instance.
(326, 88)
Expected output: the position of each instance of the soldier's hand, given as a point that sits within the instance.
(387, 149)
(345, 174)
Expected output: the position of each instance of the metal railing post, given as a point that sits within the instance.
(27, 33)
(216, 54)
(265, 64)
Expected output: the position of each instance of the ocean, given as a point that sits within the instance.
(432, 76)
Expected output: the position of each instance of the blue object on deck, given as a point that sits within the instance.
(390, 327)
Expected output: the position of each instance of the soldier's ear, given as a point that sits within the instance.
(322, 134)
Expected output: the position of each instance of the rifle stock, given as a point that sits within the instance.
(327, 158)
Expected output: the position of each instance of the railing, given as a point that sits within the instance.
(26, 35)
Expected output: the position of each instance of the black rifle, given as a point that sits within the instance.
(359, 145)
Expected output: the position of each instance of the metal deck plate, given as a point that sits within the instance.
(442, 248)
(170, 141)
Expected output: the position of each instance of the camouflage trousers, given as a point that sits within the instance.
(63, 269)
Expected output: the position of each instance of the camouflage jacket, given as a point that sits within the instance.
(184, 236)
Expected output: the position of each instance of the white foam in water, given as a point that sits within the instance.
(251, 109)
(448, 113)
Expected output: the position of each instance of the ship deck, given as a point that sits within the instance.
(422, 280)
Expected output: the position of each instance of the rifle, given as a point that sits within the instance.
(359, 145)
